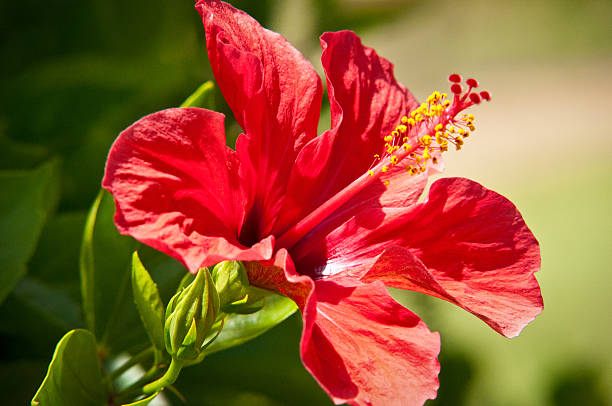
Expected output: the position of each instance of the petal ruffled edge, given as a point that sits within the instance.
(366, 349)
(478, 253)
(465, 244)
(275, 94)
(388, 356)
(176, 188)
(366, 104)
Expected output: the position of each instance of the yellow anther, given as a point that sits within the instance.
(439, 127)
(376, 156)
(426, 139)
(371, 172)
(434, 97)
(386, 182)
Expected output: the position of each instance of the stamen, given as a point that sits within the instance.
(420, 138)
(430, 129)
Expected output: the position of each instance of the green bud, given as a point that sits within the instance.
(231, 282)
(190, 315)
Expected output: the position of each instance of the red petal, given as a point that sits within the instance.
(366, 104)
(275, 95)
(366, 349)
(176, 188)
(477, 251)
(478, 248)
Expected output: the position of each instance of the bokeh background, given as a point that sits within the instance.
(75, 73)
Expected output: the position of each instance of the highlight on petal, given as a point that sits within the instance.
(366, 349)
(366, 104)
(275, 95)
(175, 187)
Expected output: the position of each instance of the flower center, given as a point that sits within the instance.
(415, 143)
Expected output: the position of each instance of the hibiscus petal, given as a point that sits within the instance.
(175, 187)
(366, 104)
(366, 349)
(358, 343)
(476, 250)
(275, 95)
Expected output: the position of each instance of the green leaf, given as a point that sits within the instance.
(74, 376)
(203, 97)
(148, 302)
(240, 328)
(26, 200)
(50, 304)
(104, 266)
(143, 402)
(105, 262)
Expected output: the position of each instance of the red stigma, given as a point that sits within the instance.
(455, 78)
(475, 98)
(456, 88)
(485, 95)
(472, 82)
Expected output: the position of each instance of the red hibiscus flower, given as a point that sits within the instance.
(329, 220)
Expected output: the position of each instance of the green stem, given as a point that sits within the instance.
(135, 389)
(168, 378)
(136, 359)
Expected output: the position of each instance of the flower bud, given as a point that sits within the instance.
(231, 282)
(190, 316)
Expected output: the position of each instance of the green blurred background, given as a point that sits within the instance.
(75, 73)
